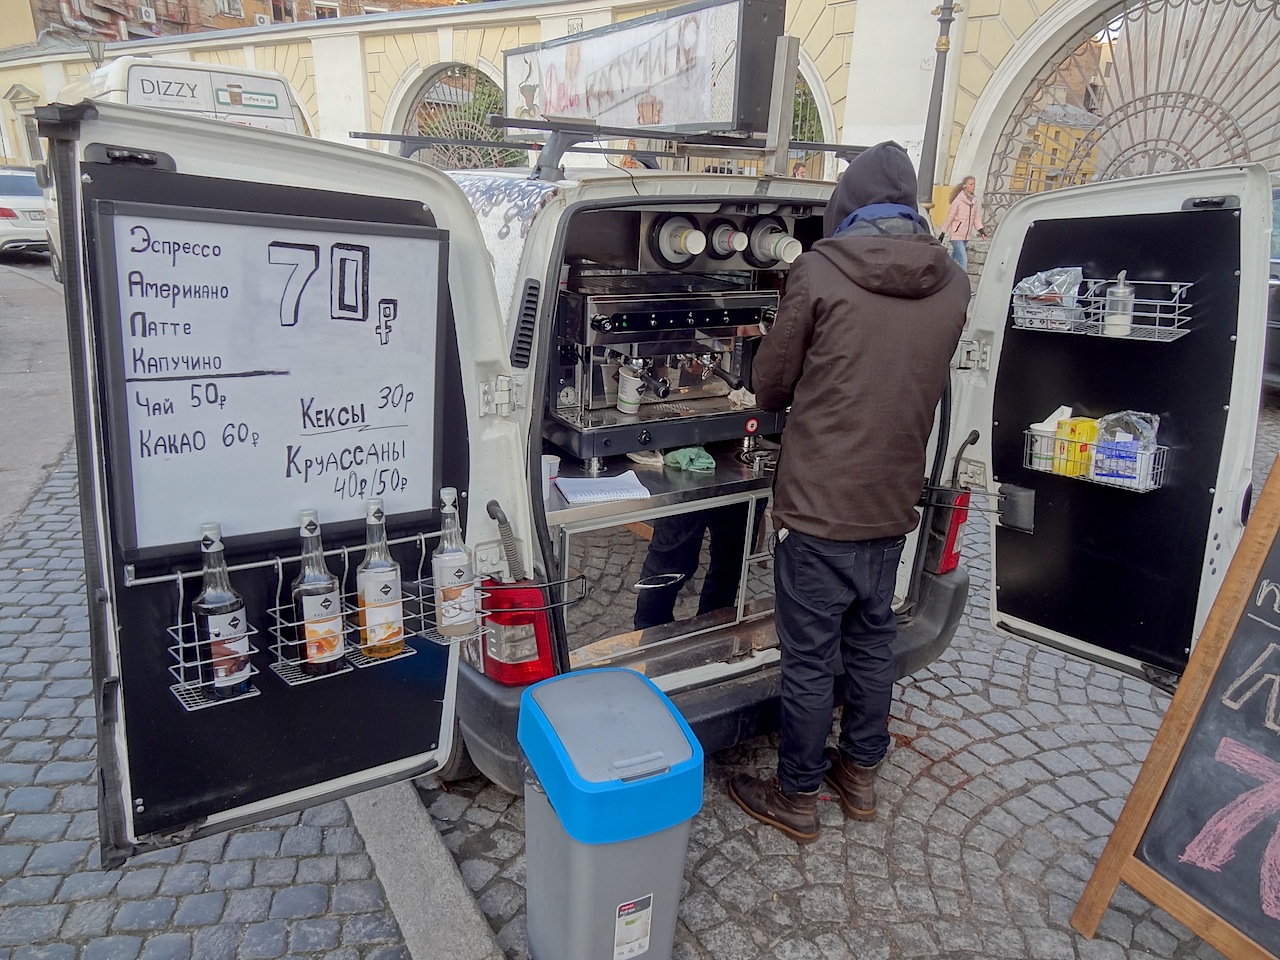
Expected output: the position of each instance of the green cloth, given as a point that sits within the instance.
(690, 458)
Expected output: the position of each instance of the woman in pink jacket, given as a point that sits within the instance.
(964, 220)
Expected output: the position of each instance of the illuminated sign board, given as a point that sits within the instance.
(706, 66)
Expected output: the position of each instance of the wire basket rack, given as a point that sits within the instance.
(194, 666)
(1111, 463)
(1162, 310)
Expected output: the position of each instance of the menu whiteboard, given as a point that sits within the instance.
(259, 364)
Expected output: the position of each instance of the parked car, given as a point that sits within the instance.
(21, 211)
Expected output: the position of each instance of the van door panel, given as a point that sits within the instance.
(1118, 574)
(172, 773)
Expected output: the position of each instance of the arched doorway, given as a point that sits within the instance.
(1146, 86)
(453, 102)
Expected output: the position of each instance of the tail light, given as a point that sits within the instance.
(517, 642)
(946, 531)
(8, 213)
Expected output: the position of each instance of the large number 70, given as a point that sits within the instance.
(348, 278)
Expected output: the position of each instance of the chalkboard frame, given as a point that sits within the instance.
(1120, 860)
(102, 212)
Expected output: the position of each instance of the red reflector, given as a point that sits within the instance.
(6, 213)
(517, 642)
(953, 543)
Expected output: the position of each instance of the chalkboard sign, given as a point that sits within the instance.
(1200, 834)
(260, 363)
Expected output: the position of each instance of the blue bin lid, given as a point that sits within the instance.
(612, 752)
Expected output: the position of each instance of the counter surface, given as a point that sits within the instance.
(669, 486)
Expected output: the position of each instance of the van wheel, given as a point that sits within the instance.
(458, 765)
(55, 262)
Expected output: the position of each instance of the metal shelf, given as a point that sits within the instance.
(1160, 314)
(1120, 464)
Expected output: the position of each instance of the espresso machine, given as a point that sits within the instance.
(657, 323)
(655, 361)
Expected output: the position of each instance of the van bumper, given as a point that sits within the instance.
(721, 714)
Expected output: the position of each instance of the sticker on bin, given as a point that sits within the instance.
(631, 928)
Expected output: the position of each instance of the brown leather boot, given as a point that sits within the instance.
(855, 785)
(795, 815)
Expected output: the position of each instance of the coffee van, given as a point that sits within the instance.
(263, 324)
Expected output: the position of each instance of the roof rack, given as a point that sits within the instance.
(564, 134)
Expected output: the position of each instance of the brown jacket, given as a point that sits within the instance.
(861, 352)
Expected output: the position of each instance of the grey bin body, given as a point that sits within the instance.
(615, 778)
(575, 889)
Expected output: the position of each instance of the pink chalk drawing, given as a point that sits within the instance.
(1215, 845)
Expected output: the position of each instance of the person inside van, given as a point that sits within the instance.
(674, 551)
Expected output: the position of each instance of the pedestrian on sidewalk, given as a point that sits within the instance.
(861, 353)
(964, 220)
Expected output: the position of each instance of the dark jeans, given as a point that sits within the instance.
(834, 604)
(675, 549)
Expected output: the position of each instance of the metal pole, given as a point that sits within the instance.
(782, 106)
(929, 148)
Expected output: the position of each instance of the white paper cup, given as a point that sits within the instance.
(550, 470)
(630, 386)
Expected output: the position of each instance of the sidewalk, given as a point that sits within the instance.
(1010, 763)
(323, 883)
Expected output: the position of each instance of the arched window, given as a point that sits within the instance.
(1148, 86)
(454, 103)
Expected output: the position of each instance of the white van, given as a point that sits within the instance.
(251, 98)
(271, 324)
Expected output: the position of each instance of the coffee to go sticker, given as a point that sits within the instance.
(631, 928)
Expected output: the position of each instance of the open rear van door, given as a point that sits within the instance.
(262, 324)
(1113, 546)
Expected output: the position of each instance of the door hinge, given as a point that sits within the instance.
(501, 395)
(972, 355)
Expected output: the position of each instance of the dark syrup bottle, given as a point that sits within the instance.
(222, 631)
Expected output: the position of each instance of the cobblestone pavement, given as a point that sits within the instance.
(1009, 766)
(300, 885)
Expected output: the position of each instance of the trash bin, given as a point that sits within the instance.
(613, 782)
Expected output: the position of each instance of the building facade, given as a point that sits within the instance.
(28, 21)
(1036, 93)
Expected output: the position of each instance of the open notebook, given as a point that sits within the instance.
(603, 489)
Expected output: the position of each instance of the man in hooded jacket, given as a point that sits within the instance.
(861, 353)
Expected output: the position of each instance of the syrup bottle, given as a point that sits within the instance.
(222, 631)
(454, 574)
(378, 589)
(317, 608)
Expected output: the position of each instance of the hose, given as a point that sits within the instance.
(509, 546)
